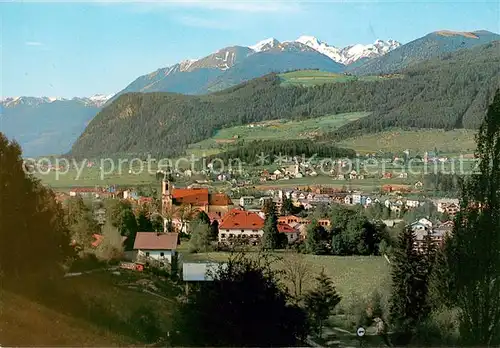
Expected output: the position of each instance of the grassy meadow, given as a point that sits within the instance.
(308, 78)
(355, 277)
(276, 129)
(454, 142)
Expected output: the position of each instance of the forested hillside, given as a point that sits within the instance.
(430, 46)
(451, 92)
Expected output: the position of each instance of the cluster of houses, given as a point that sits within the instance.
(106, 192)
(437, 232)
(243, 220)
(310, 199)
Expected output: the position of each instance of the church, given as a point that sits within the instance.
(214, 204)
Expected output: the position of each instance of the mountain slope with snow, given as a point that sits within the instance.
(47, 125)
(432, 45)
(237, 64)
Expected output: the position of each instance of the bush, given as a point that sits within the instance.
(86, 262)
(144, 322)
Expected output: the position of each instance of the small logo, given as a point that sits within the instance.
(361, 331)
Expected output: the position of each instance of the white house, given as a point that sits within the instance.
(348, 200)
(246, 200)
(156, 246)
(421, 225)
(356, 198)
(410, 203)
(241, 225)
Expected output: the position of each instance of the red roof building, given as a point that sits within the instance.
(193, 196)
(197, 198)
(285, 228)
(241, 219)
(155, 241)
(240, 224)
(292, 234)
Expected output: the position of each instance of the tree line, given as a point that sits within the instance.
(261, 152)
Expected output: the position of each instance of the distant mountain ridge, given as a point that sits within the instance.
(47, 125)
(431, 45)
(96, 100)
(236, 64)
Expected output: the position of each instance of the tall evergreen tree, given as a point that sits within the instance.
(474, 256)
(287, 206)
(270, 239)
(409, 304)
(321, 301)
(34, 236)
(214, 230)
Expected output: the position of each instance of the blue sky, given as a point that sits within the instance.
(79, 49)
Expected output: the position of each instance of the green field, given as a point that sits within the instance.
(315, 77)
(276, 129)
(458, 141)
(354, 276)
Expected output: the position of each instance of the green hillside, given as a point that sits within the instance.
(458, 141)
(275, 129)
(98, 309)
(448, 93)
(307, 78)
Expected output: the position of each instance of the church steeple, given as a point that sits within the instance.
(166, 191)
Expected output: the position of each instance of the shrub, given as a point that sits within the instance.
(144, 322)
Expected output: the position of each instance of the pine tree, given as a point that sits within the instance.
(214, 230)
(409, 290)
(287, 206)
(270, 239)
(321, 301)
(473, 256)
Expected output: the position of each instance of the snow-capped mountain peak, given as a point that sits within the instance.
(185, 64)
(265, 44)
(95, 100)
(100, 97)
(352, 53)
(310, 41)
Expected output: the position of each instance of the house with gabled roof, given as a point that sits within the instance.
(241, 225)
(292, 234)
(155, 246)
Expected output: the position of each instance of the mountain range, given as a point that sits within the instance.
(236, 64)
(49, 125)
(448, 92)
